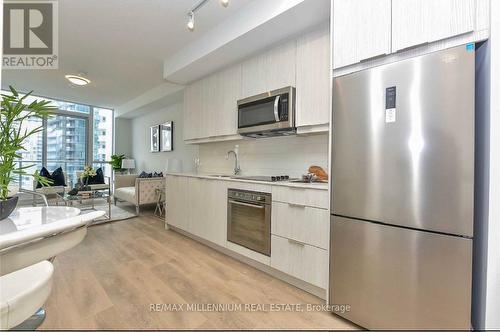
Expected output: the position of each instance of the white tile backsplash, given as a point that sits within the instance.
(279, 155)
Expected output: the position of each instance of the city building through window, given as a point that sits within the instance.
(74, 136)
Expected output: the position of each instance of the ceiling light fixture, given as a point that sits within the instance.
(190, 24)
(190, 14)
(79, 79)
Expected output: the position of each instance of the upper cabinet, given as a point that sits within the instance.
(210, 105)
(271, 70)
(313, 78)
(361, 30)
(416, 22)
(366, 29)
(193, 110)
(228, 91)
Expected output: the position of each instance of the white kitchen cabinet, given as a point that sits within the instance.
(193, 110)
(313, 78)
(299, 233)
(177, 197)
(300, 260)
(361, 30)
(209, 108)
(271, 70)
(416, 22)
(212, 211)
(301, 223)
(198, 206)
(210, 105)
(301, 196)
(227, 93)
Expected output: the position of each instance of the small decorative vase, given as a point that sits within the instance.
(7, 206)
(86, 187)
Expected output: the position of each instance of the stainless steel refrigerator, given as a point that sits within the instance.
(403, 192)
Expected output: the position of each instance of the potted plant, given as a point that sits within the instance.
(13, 136)
(116, 162)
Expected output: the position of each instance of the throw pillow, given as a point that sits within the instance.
(57, 177)
(96, 179)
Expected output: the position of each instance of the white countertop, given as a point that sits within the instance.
(29, 218)
(314, 185)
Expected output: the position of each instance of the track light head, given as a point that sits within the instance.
(190, 23)
(224, 3)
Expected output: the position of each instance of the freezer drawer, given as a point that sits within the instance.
(404, 143)
(396, 278)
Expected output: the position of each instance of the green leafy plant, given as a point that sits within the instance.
(13, 136)
(116, 162)
(87, 173)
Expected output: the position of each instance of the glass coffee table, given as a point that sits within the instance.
(87, 202)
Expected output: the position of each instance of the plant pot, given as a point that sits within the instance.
(7, 206)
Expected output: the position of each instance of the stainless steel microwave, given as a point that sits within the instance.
(268, 114)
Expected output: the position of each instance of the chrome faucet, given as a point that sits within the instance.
(237, 168)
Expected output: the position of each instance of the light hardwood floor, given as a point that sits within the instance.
(111, 279)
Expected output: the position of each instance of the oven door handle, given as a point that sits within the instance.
(247, 204)
(276, 108)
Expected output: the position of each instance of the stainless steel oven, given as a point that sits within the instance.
(268, 114)
(249, 220)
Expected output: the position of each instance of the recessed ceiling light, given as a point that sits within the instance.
(77, 80)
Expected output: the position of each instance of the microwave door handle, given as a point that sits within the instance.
(276, 109)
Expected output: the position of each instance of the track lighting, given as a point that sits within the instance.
(190, 23)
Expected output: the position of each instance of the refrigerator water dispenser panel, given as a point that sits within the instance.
(390, 104)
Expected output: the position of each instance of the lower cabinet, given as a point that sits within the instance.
(300, 260)
(299, 232)
(198, 206)
(177, 198)
(302, 223)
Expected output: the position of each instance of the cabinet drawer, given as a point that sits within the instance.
(302, 223)
(301, 196)
(300, 260)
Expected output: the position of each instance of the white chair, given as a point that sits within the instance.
(138, 191)
(26, 275)
(24, 292)
(51, 193)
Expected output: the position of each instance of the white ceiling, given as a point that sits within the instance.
(120, 44)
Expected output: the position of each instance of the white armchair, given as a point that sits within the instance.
(52, 192)
(135, 190)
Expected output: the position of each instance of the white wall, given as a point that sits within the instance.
(123, 142)
(492, 318)
(280, 155)
(140, 134)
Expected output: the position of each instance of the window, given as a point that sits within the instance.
(103, 139)
(66, 144)
(68, 140)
